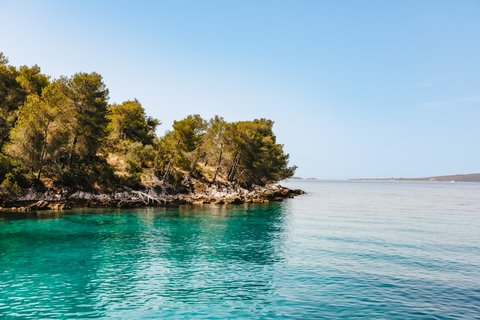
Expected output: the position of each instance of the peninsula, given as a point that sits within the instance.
(63, 145)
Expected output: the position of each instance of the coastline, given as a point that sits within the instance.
(125, 197)
(472, 177)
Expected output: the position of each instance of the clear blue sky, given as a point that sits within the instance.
(356, 88)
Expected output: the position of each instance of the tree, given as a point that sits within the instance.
(15, 85)
(3, 59)
(40, 136)
(63, 128)
(181, 143)
(127, 121)
(256, 157)
(87, 109)
(12, 97)
(31, 80)
(216, 140)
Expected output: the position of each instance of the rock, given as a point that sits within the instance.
(40, 205)
(59, 206)
(30, 195)
(219, 193)
(296, 192)
(276, 199)
(236, 200)
(208, 200)
(122, 204)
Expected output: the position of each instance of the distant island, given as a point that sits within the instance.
(473, 177)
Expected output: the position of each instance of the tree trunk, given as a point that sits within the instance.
(168, 167)
(43, 155)
(218, 164)
(193, 165)
(170, 163)
(233, 169)
(71, 151)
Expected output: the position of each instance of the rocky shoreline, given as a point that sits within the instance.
(124, 197)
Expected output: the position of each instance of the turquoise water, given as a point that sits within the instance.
(346, 250)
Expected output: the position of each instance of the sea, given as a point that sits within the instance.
(344, 250)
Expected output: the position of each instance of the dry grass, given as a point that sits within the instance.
(209, 172)
(47, 182)
(118, 163)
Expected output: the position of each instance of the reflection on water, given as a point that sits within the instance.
(118, 263)
(345, 250)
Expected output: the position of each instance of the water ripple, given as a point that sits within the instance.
(344, 250)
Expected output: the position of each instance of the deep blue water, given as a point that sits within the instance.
(346, 250)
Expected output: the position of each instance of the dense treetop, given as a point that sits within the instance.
(63, 133)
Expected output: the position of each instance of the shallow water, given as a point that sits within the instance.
(347, 249)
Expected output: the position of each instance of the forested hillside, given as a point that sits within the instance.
(63, 133)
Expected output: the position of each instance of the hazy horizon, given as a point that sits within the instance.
(368, 89)
(382, 178)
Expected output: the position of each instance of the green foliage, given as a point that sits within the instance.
(215, 141)
(87, 109)
(7, 165)
(260, 158)
(132, 134)
(31, 80)
(87, 174)
(132, 181)
(188, 132)
(12, 97)
(10, 184)
(62, 129)
(39, 136)
(133, 167)
(245, 151)
(128, 122)
(10, 174)
(181, 147)
(15, 85)
(142, 155)
(187, 141)
(66, 124)
(3, 58)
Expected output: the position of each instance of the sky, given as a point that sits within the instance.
(357, 89)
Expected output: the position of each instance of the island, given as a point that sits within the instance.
(62, 145)
(473, 177)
